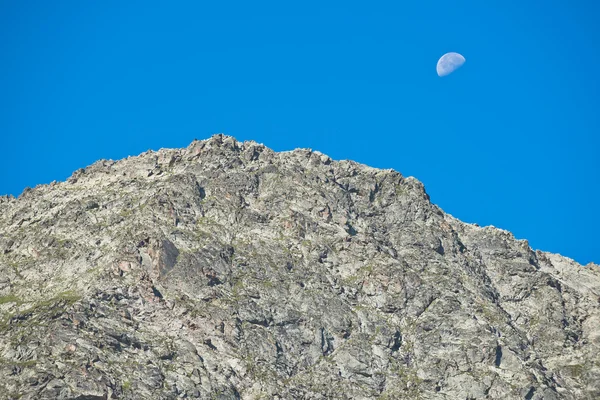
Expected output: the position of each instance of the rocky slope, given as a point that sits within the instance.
(228, 271)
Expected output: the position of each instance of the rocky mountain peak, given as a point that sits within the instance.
(226, 270)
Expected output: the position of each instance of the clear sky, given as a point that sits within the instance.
(510, 139)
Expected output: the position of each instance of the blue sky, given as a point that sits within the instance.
(510, 139)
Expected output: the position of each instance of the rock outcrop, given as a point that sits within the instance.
(229, 271)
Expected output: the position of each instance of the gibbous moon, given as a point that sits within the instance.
(449, 63)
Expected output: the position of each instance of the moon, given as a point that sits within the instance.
(449, 63)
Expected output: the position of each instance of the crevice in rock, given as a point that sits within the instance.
(530, 394)
(261, 322)
(326, 342)
(396, 341)
(498, 359)
(211, 346)
(156, 292)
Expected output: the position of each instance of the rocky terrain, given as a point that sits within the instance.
(229, 271)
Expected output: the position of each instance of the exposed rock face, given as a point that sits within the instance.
(228, 271)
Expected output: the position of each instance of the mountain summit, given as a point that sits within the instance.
(226, 270)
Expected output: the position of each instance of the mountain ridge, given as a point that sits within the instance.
(228, 270)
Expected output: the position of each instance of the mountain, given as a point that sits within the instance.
(226, 270)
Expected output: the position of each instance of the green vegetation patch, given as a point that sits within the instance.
(9, 298)
(575, 370)
(45, 309)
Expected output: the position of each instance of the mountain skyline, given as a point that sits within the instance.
(508, 140)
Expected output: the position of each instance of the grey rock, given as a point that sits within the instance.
(226, 270)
